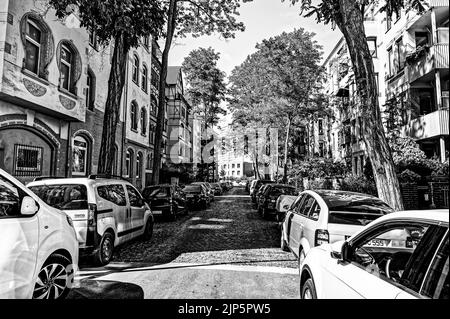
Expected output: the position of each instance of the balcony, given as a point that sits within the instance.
(427, 126)
(423, 61)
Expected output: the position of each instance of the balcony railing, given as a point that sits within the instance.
(423, 61)
(430, 125)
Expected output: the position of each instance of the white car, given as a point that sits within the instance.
(38, 246)
(400, 255)
(106, 211)
(326, 216)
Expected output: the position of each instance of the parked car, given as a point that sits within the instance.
(255, 187)
(197, 196)
(38, 247)
(106, 211)
(282, 205)
(258, 194)
(400, 255)
(267, 200)
(165, 200)
(224, 186)
(217, 189)
(209, 189)
(326, 216)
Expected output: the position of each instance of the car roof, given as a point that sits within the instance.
(76, 180)
(438, 215)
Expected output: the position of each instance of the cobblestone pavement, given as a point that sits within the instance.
(229, 232)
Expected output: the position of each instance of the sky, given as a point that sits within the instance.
(263, 19)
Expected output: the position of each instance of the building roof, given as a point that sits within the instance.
(172, 74)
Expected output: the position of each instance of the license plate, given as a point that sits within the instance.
(157, 212)
(378, 243)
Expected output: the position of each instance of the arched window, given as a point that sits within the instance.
(69, 63)
(139, 162)
(134, 116)
(144, 83)
(90, 90)
(143, 121)
(135, 73)
(154, 104)
(33, 46)
(129, 162)
(38, 44)
(80, 156)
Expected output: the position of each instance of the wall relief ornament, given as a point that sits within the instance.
(34, 88)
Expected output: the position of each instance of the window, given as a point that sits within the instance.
(150, 160)
(135, 70)
(238, 165)
(80, 155)
(143, 121)
(113, 193)
(10, 199)
(388, 21)
(154, 105)
(144, 83)
(306, 206)
(321, 149)
(372, 43)
(63, 196)
(66, 68)
(233, 165)
(396, 55)
(32, 47)
(129, 163)
(238, 173)
(436, 283)
(400, 254)
(134, 116)
(139, 159)
(134, 197)
(320, 127)
(90, 90)
(28, 160)
(422, 39)
(147, 42)
(92, 38)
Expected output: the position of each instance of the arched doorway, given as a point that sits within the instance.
(81, 155)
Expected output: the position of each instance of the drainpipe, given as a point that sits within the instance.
(68, 151)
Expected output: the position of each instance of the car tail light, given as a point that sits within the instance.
(322, 237)
(92, 215)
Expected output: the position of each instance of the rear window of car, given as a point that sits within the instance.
(283, 191)
(192, 189)
(64, 197)
(155, 192)
(359, 212)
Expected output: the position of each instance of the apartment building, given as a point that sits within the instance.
(410, 56)
(179, 122)
(53, 89)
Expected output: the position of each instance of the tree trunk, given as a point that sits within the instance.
(352, 26)
(286, 145)
(171, 25)
(111, 117)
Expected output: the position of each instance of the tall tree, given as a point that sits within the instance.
(123, 24)
(194, 17)
(282, 79)
(206, 86)
(348, 15)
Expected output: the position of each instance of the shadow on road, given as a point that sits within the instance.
(103, 289)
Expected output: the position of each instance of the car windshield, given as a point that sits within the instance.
(192, 189)
(65, 197)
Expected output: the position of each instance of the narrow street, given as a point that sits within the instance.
(226, 251)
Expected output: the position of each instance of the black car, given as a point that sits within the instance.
(258, 194)
(165, 200)
(269, 195)
(197, 196)
(218, 191)
(258, 185)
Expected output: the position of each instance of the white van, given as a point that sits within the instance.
(38, 246)
(106, 211)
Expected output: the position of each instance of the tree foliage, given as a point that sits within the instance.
(206, 86)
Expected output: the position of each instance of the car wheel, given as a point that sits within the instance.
(105, 250)
(148, 231)
(283, 245)
(309, 291)
(54, 279)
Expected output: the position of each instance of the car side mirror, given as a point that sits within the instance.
(29, 206)
(286, 207)
(339, 250)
